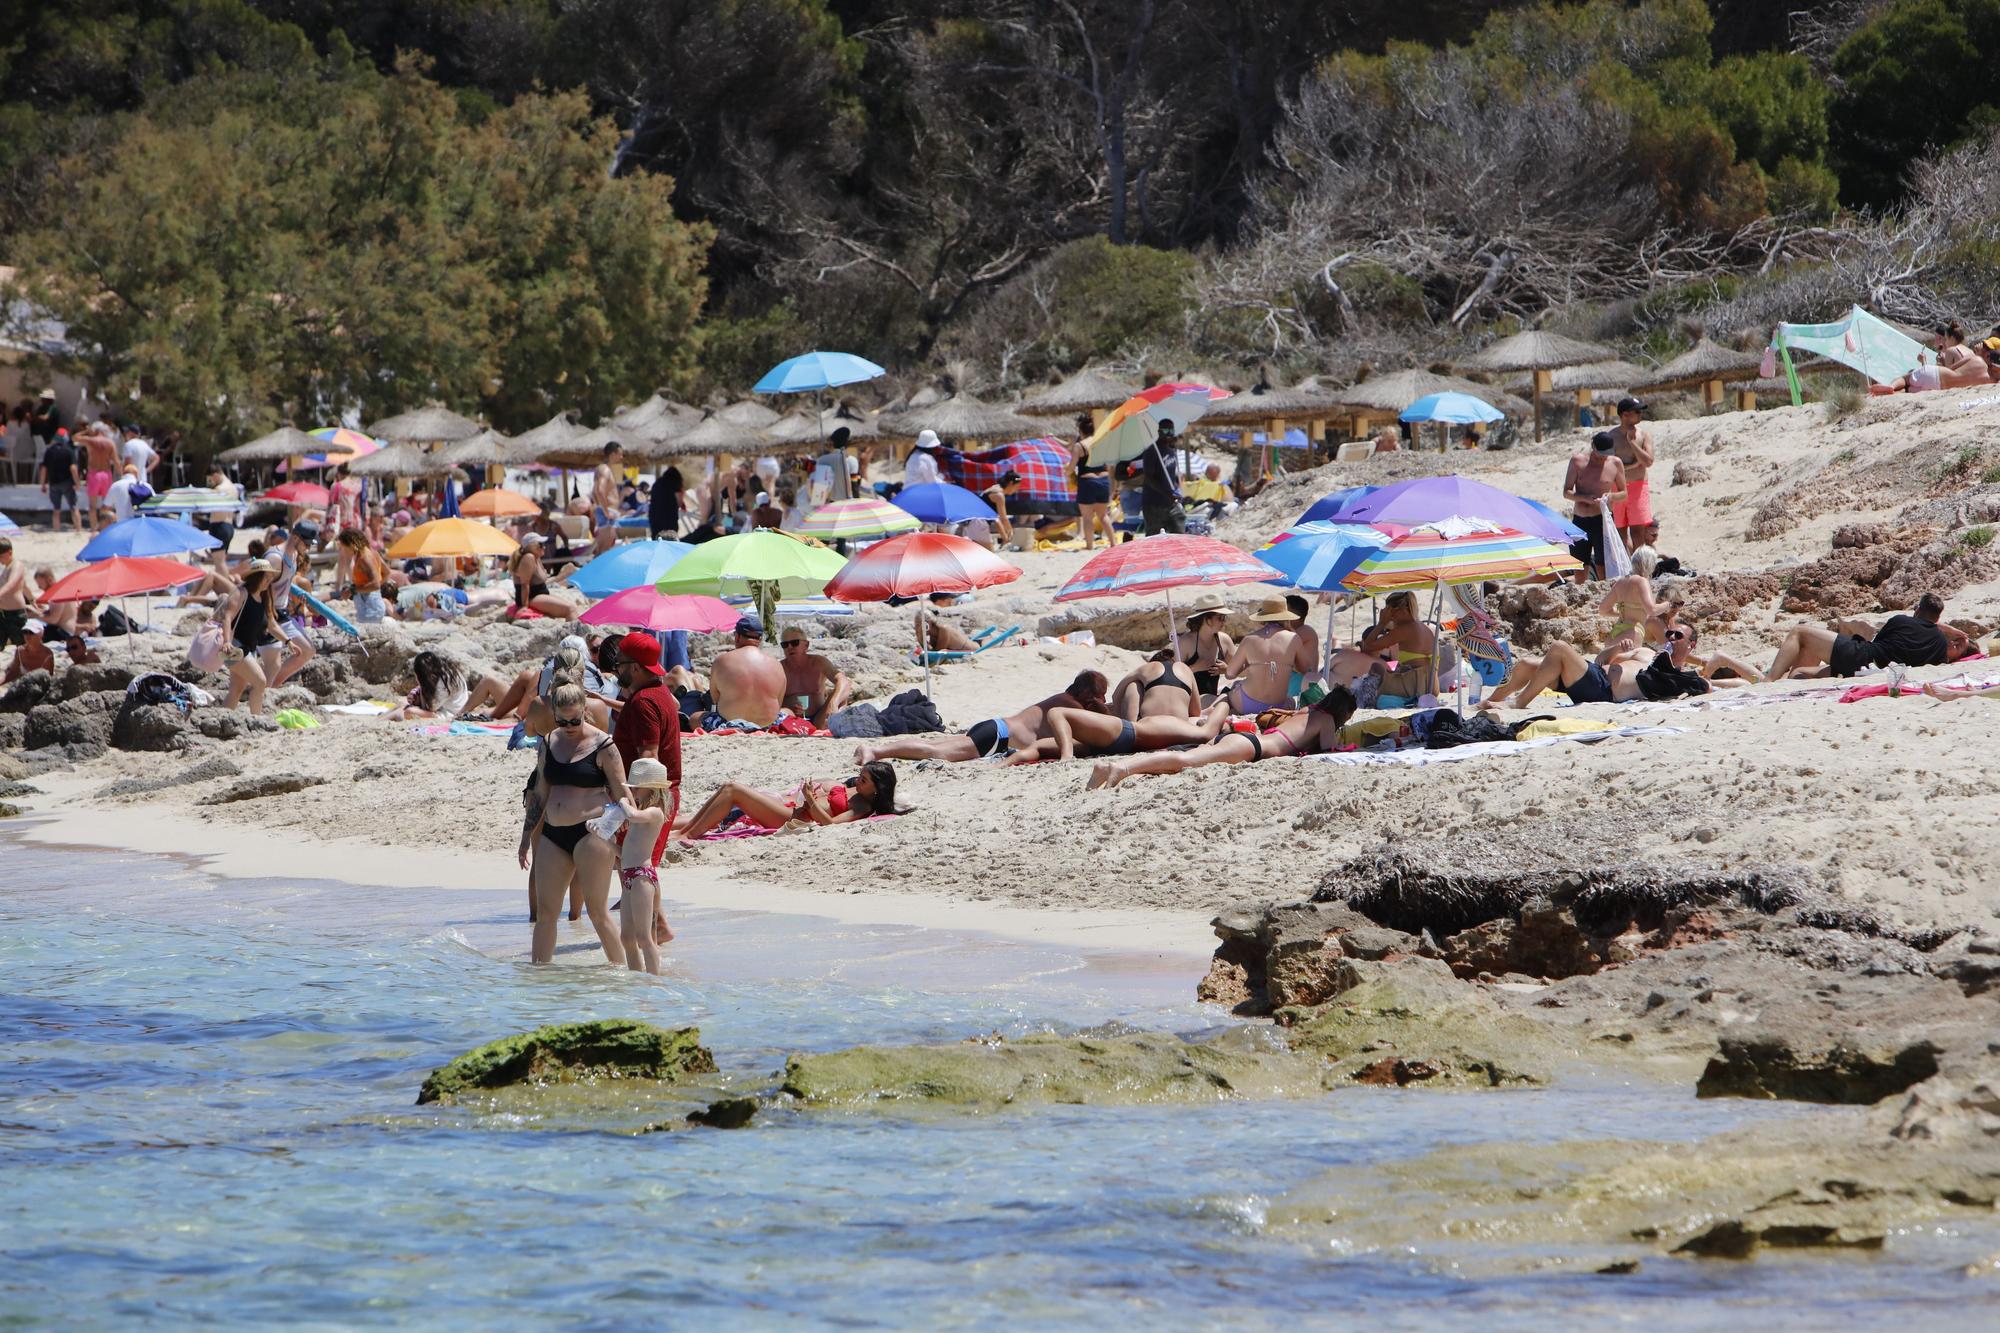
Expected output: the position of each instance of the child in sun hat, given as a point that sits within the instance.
(646, 817)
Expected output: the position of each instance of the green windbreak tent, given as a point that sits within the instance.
(1858, 339)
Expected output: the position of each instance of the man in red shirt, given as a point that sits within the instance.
(649, 727)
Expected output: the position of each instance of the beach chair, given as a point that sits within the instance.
(1354, 451)
(990, 637)
(1131, 511)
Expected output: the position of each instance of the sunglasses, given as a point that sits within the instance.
(576, 721)
(795, 643)
(1676, 635)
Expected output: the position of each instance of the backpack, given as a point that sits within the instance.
(1447, 729)
(1664, 680)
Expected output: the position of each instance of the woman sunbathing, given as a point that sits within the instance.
(870, 792)
(1280, 732)
(1101, 734)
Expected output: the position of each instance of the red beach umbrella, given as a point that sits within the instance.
(648, 608)
(1161, 563)
(916, 565)
(300, 493)
(120, 576)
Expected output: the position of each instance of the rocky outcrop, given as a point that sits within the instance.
(26, 692)
(1095, 1070)
(138, 726)
(725, 1113)
(1780, 1064)
(212, 769)
(95, 677)
(82, 726)
(13, 730)
(253, 789)
(227, 724)
(1412, 1021)
(572, 1052)
(1271, 957)
(1972, 963)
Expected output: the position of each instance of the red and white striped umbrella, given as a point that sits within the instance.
(917, 564)
(1161, 563)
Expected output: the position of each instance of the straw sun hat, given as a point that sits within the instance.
(649, 773)
(1274, 608)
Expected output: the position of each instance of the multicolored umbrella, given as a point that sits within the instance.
(496, 503)
(1326, 506)
(1412, 504)
(119, 576)
(195, 500)
(916, 565)
(1134, 424)
(1161, 563)
(866, 517)
(343, 444)
(146, 535)
(943, 502)
(1042, 464)
(300, 493)
(1425, 557)
(648, 608)
(451, 537)
(627, 565)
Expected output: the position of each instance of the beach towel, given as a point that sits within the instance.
(365, 708)
(1912, 690)
(489, 730)
(1421, 758)
(747, 828)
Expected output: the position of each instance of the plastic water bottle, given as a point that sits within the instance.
(606, 825)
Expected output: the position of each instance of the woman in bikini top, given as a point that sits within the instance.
(1205, 647)
(567, 792)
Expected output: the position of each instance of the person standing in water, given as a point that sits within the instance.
(646, 816)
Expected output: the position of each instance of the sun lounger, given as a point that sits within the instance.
(990, 637)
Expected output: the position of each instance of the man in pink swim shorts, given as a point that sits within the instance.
(1635, 450)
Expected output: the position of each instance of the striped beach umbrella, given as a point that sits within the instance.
(1314, 557)
(1427, 557)
(1161, 563)
(917, 565)
(1131, 426)
(869, 516)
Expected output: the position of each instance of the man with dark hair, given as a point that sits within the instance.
(1595, 480)
(1849, 646)
(1635, 450)
(663, 514)
(14, 595)
(1158, 470)
(604, 499)
(61, 478)
(996, 735)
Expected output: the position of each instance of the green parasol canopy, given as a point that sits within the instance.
(766, 565)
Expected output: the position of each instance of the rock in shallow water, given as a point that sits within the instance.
(566, 1052)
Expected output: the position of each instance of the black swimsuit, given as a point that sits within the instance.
(253, 625)
(1165, 678)
(581, 772)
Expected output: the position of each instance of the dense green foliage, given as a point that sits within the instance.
(256, 209)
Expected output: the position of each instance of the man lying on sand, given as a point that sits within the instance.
(1849, 646)
(1101, 734)
(1616, 681)
(1280, 732)
(996, 735)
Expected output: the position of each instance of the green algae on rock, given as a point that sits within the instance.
(617, 1048)
(1413, 1022)
(1093, 1070)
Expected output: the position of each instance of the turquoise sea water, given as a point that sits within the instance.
(206, 1116)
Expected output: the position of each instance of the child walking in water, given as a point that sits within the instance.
(646, 821)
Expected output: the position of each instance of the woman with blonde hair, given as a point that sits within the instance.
(577, 773)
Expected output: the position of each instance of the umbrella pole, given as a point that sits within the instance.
(1173, 636)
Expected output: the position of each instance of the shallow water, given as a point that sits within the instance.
(206, 1114)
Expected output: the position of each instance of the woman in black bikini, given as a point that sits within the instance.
(577, 773)
(1102, 735)
(1203, 645)
(531, 586)
(1162, 686)
(252, 616)
(1280, 732)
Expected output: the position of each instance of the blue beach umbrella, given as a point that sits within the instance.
(816, 371)
(942, 502)
(146, 535)
(1456, 409)
(627, 565)
(1328, 505)
(1315, 557)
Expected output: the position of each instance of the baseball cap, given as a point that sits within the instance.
(750, 627)
(641, 650)
(33, 627)
(532, 539)
(1631, 405)
(307, 529)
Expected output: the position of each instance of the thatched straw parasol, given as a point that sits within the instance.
(1586, 381)
(1264, 402)
(1388, 395)
(1086, 391)
(960, 417)
(658, 419)
(400, 460)
(284, 442)
(749, 413)
(802, 430)
(426, 425)
(586, 448)
(717, 435)
(489, 448)
(1709, 365)
(557, 433)
(1540, 353)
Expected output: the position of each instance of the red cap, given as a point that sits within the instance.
(641, 650)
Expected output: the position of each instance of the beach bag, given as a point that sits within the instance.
(1663, 680)
(205, 653)
(1447, 729)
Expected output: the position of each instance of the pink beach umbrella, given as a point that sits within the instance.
(647, 608)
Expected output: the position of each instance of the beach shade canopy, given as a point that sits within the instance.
(8, 527)
(1704, 363)
(1135, 423)
(558, 432)
(1315, 557)
(338, 444)
(866, 517)
(1085, 391)
(1041, 466)
(1536, 351)
(195, 500)
(1427, 556)
(146, 535)
(1264, 402)
(1457, 409)
(400, 460)
(1613, 375)
(918, 564)
(649, 608)
(627, 565)
(451, 537)
(119, 576)
(494, 502)
(959, 417)
(284, 442)
(1161, 562)
(748, 412)
(1872, 346)
(942, 502)
(1398, 389)
(817, 371)
(717, 434)
(485, 449)
(426, 425)
(731, 564)
(1328, 505)
(299, 493)
(1412, 504)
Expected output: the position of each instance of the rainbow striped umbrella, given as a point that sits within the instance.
(1427, 557)
(1161, 563)
(1134, 424)
(869, 516)
(342, 446)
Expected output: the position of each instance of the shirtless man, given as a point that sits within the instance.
(748, 683)
(941, 636)
(1108, 734)
(1635, 450)
(1848, 646)
(1287, 732)
(1263, 662)
(100, 469)
(14, 603)
(814, 687)
(1564, 668)
(604, 500)
(996, 735)
(1594, 480)
(1160, 686)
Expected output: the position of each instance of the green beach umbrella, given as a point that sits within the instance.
(767, 565)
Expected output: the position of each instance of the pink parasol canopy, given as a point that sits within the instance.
(647, 608)
(917, 564)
